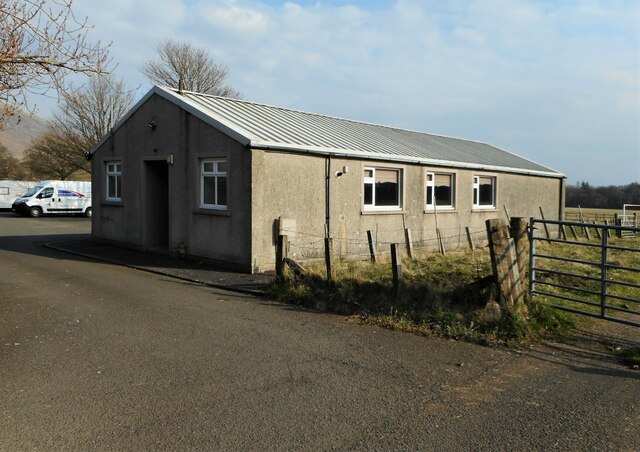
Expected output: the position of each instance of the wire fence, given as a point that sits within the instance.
(304, 245)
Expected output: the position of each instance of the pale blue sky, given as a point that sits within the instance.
(555, 81)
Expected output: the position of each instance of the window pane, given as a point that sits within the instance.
(118, 167)
(111, 187)
(429, 195)
(387, 188)
(207, 167)
(209, 190)
(387, 194)
(368, 193)
(486, 191)
(368, 173)
(443, 196)
(443, 191)
(118, 188)
(383, 176)
(222, 166)
(222, 190)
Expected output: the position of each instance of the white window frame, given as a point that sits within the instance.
(476, 192)
(215, 174)
(372, 180)
(430, 204)
(114, 170)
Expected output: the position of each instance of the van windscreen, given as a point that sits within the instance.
(32, 191)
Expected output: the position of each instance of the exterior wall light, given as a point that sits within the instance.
(345, 170)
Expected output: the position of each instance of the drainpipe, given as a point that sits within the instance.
(327, 189)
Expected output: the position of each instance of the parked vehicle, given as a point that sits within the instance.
(55, 197)
(12, 189)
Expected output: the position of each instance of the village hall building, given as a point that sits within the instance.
(220, 178)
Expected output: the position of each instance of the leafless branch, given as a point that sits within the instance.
(42, 43)
(182, 61)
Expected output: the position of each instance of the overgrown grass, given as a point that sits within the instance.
(441, 295)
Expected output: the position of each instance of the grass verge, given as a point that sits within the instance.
(440, 295)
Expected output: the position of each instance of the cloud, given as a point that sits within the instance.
(554, 81)
(232, 16)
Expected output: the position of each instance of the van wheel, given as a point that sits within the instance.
(35, 212)
(89, 212)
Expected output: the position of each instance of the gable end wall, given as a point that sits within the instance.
(219, 236)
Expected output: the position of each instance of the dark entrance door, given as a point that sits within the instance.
(157, 203)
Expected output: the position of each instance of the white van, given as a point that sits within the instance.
(55, 196)
(12, 189)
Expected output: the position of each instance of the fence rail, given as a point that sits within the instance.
(597, 277)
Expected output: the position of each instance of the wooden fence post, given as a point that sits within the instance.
(504, 263)
(281, 254)
(573, 232)
(443, 251)
(546, 228)
(597, 231)
(582, 220)
(518, 227)
(396, 265)
(372, 248)
(619, 231)
(408, 242)
(328, 258)
(608, 230)
(506, 211)
(472, 245)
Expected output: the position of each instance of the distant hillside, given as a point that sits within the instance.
(17, 135)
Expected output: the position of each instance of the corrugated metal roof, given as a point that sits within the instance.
(264, 126)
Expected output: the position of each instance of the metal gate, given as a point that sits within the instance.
(594, 272)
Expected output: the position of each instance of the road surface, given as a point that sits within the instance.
(95, 356)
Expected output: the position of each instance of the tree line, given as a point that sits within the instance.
(606, 197)
(43, 44)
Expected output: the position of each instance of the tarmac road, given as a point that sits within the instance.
(95, 356)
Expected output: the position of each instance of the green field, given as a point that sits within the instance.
(590, 215)
(587, 211)
(582, 281)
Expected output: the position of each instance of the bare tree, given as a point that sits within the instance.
(10, 167)
(182, 61)
(84, 117)
(42, 43)
(93, 110)
(54, 155)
